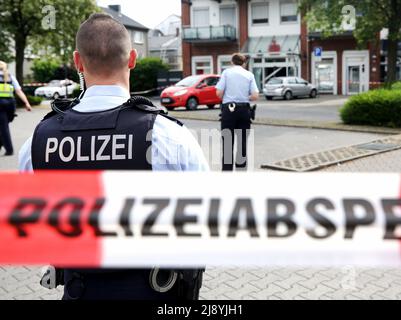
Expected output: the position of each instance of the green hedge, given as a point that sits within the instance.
(34, 101)
(396, 86)
(44, 69)
(144, 76)
(375, 108)
(47, 69)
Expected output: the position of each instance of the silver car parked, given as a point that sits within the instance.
(288, 88)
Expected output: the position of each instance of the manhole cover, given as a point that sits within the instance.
(377, 146)
(318, 160)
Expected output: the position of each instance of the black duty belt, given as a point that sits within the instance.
(233, 105)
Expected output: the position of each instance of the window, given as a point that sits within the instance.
(224, 63)
(211, 82)
(228, 16)
(301, 81)
(138, 37)
(275, 81)
(202, 65)
(260, 13)
(200, 17)
(289, 11)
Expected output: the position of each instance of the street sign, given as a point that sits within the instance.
(318, 51)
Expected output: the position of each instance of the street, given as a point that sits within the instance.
(271, 144)
(324, 108)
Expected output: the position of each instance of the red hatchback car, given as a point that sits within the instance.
(192, 92)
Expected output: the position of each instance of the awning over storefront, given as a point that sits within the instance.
(273, 45)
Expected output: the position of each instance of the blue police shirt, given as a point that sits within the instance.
(174, 148)
(238, 84)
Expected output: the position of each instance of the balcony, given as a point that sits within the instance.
(209, 34)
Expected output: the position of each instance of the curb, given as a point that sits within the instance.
(297, 124)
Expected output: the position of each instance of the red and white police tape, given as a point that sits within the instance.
(143, 219)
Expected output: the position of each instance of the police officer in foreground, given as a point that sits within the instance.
(107, 130)
(237, 87)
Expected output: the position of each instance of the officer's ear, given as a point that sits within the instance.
(132, 59)
(78, 62)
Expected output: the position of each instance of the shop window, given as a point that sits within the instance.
(201, 65)
(224, 63)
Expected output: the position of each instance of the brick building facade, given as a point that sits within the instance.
(272, 33)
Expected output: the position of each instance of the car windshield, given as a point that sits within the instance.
(188, 82)
(275, 81)
(53, 83)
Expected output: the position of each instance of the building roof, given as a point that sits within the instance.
(164, 43)
(126, 21)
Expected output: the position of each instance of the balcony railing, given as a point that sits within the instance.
(209, 34)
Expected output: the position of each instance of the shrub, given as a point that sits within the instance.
(144, 76)
(47, 69)
(63, 72)
(34, 101)
(376, 108)
(44, 69)
(76, 93)
(30, 90)
(396, 86)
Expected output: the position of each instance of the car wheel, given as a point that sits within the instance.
(288, 95)
(313, 94)
(211, 106)
(269, 98)
(56, 95)
(192, 103)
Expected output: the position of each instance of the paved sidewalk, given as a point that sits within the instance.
(384, 162)
(250, 284)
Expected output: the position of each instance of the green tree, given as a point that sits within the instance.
(5, 54)
(144, 76)
(43, 24)
(372, 17)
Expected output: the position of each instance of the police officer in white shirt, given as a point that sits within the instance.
(109, 130)
(237, 87)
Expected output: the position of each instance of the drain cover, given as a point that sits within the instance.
(314, 161)
(377, 146)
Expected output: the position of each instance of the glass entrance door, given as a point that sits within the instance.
(266, 68)
(325, 75)
(354, 79)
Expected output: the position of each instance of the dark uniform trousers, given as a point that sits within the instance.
(127, 121)
(7, 109)
(235, 125)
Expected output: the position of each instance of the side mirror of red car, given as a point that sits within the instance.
(201, 86)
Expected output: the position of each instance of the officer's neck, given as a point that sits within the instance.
(122, 82)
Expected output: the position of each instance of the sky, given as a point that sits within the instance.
(147, 12)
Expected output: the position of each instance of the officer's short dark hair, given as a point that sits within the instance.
(238, 59)
(104, 44)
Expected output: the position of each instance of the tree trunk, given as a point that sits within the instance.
(20, 44)
(392, 61)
